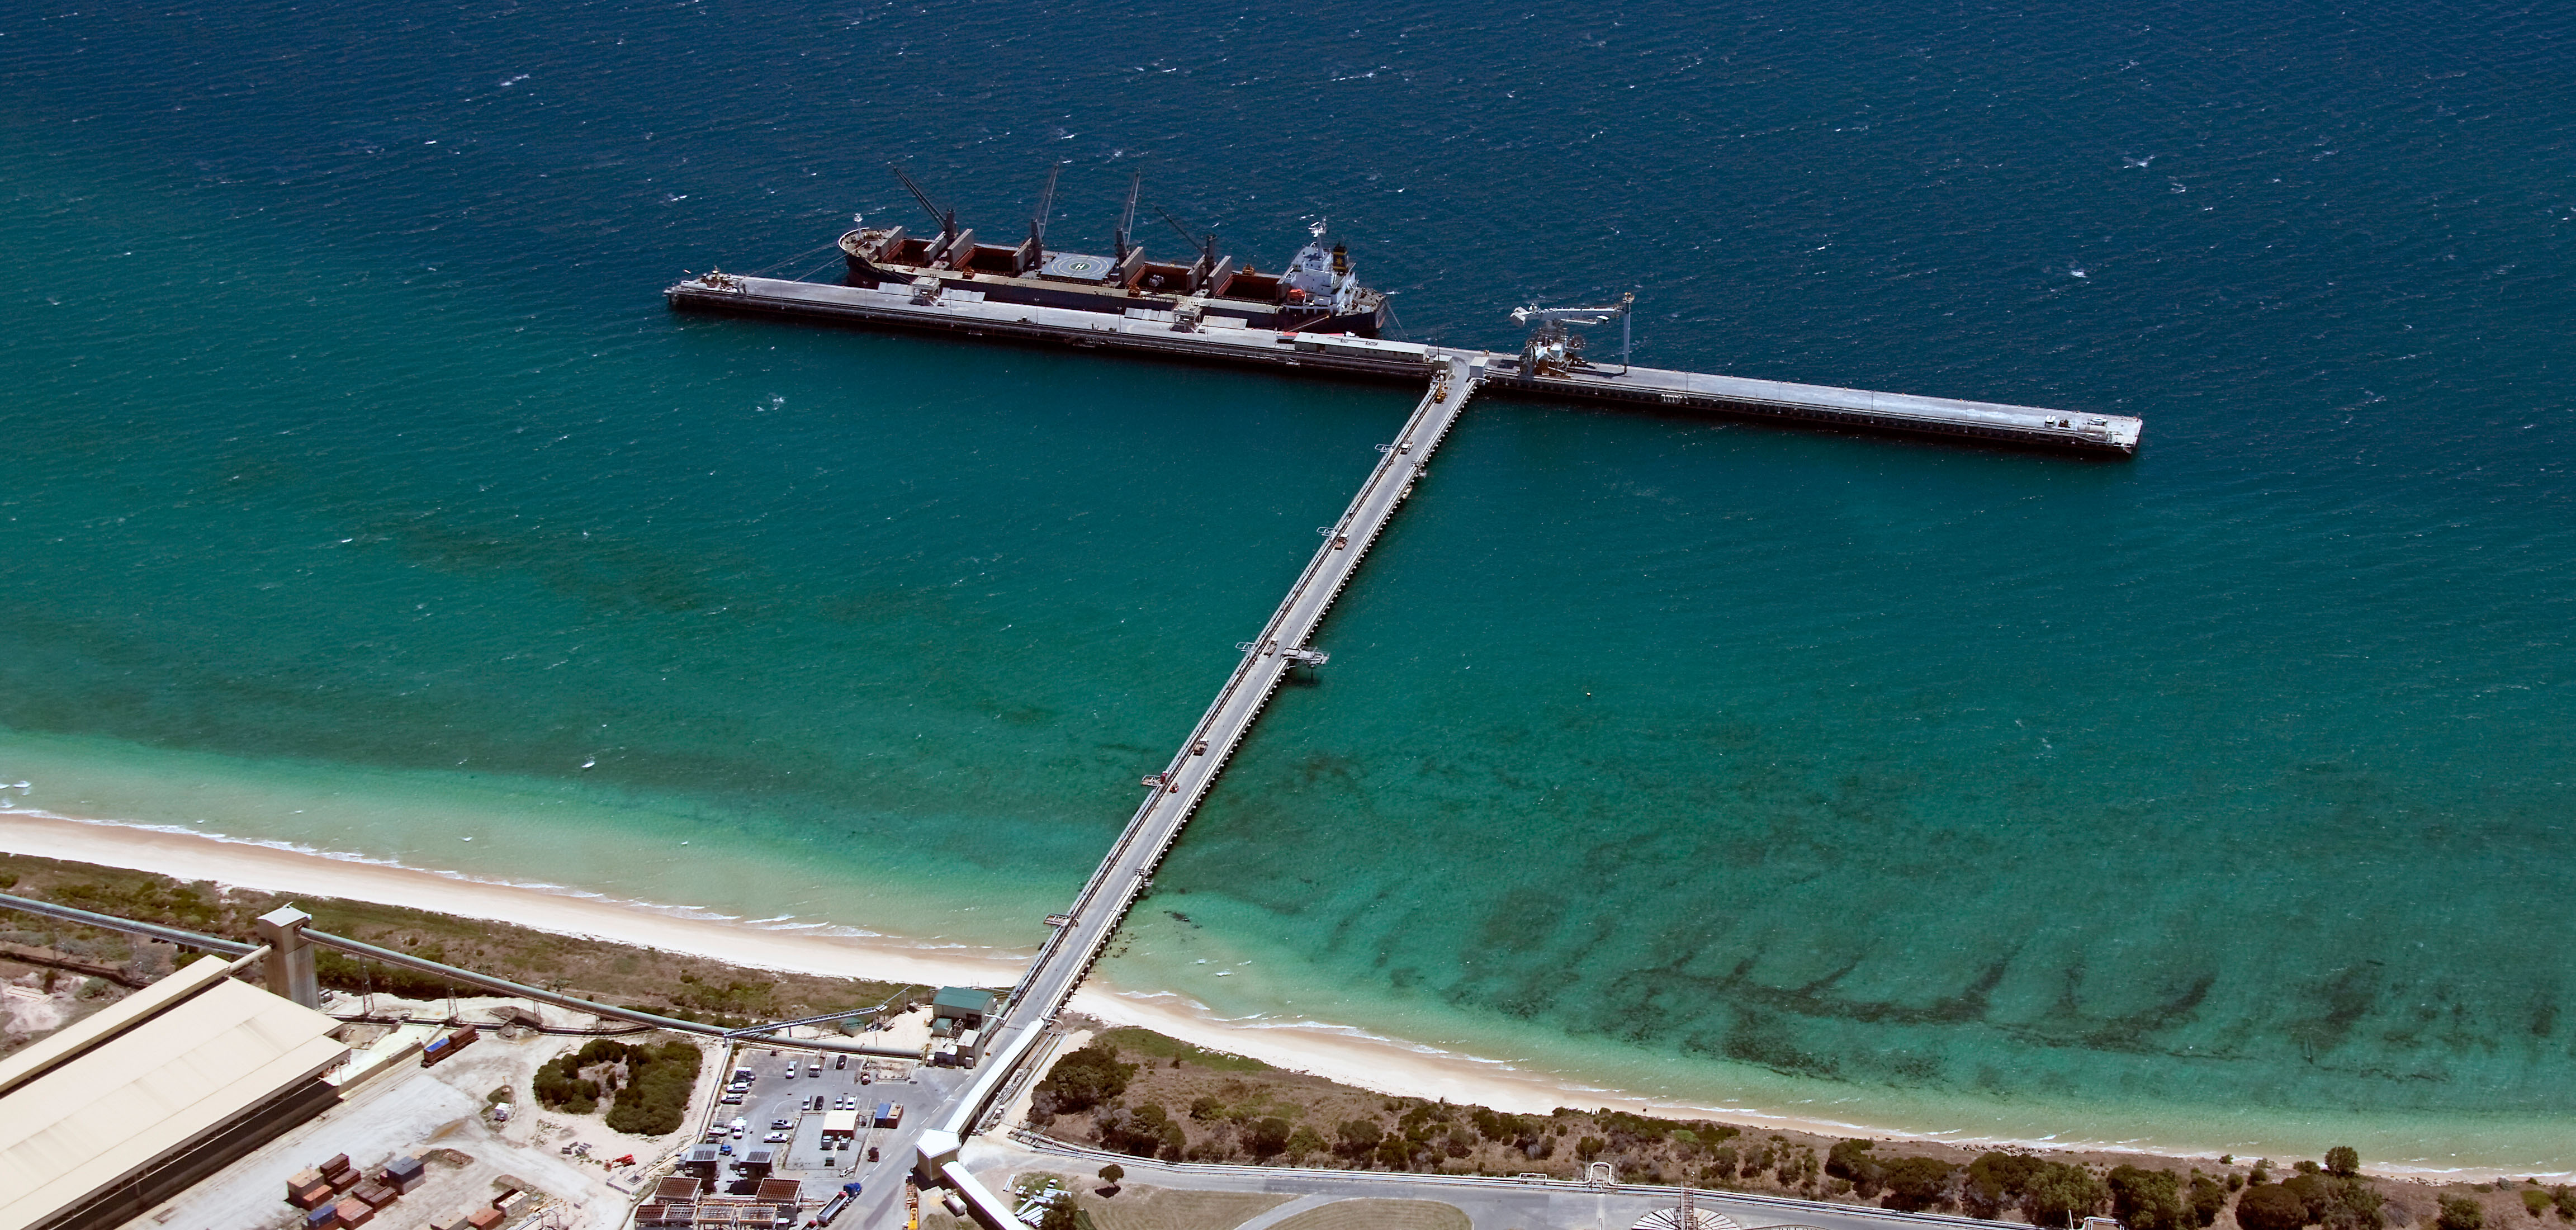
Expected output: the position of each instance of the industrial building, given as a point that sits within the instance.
(958, 1019)
(109, 1117)
(959, 1008)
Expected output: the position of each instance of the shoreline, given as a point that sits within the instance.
(1342, 1054)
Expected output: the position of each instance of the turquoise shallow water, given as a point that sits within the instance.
(2214, 797)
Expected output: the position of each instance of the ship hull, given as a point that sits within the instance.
(996, 284)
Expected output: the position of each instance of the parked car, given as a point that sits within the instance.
(730, 1099)
(840, 1063)
(780, 1124)
(774, 1138)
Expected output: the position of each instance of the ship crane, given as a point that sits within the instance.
(946, 218)
(1554, 348)
(1046, 206)
(1033, 253)
(1127, 219)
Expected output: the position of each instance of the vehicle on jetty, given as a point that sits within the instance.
(1317, 291)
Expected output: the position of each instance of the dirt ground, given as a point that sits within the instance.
(1137, 1207)
(36, 1000)
(440, 1115)
(1379, 1215)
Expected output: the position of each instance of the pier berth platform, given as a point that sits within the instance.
(1197, 330)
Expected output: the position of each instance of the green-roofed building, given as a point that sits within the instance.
(960, 1008)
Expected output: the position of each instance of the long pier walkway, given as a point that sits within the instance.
(1219, 339)
(1081, 932)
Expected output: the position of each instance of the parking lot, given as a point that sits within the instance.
(909, 1090)
(784, 1106)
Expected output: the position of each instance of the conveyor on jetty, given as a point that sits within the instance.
(1182, 334)
(1082, 932)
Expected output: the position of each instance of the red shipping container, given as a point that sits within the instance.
(355, 1212)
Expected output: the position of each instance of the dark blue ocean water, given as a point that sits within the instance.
(2216, 796)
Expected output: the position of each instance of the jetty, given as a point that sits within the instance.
(1195, 329)
(1081, 933)
(1001, 294)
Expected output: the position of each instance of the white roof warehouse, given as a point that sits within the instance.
(117, 1113)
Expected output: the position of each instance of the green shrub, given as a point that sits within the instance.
(2461, 1213)
(659, 1080)
(342, 972)
(1851, 1159)
(2336, 1203)
(2343, 1161)
(2207, 1200)
(2536, 1200)
(1995, 1182)
(1915, 1184)
(1145, 1131)
(2059, 1194)
(2147, 1199)
(1084, 1079)
(560, 1087)
(1266, 1137)
(2270, 1206)
(1721, 1166)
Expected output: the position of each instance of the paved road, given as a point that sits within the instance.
(1490, 1204)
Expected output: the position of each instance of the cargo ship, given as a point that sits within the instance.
(1316, 291)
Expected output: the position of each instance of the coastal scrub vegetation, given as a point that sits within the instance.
(650, 1084)
(1159, 1098)
(1081, 1080)
(683, 987)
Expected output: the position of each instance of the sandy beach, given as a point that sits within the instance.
(1339, 1055)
